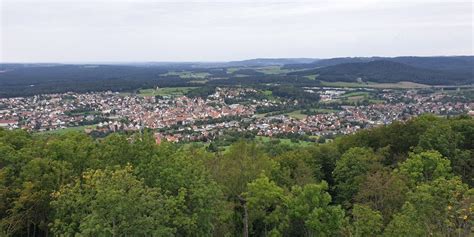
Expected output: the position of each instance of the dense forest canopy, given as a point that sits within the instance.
(405, 179)
(385, 71)
(455, 63)
(32, 79)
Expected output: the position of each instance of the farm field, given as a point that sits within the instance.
(312, 77)
(69, 129)
(272, 70)
(297, 114)
(283, 141)
(165, 91)
(355, 93)
(399, 85)
(188, 74)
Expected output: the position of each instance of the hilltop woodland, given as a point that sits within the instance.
(18, 80)
(405, 179)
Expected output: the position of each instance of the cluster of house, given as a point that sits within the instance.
(182, 118)
(112, 111)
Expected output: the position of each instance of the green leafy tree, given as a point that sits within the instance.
(351, 171)
(442, 207)
(75, 148)
(114, 150)
(111, 203)
(241, 164)
(425, 166)
(384, 192)
(440, 137)
(366, 222)
(294, 169)
(267, 205)
(323, 161)
(406, 223)
(179, 174)
(311, 214)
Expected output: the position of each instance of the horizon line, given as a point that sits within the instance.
(220, 61)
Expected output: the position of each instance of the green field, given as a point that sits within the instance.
(261, 115)
(69, 129)
(283, 141)
(360, 95)
(343, 84)
(269, 95)
(355, 98)
(312, 77)
(267, 92)
(324, 111)
(399, 85)
(356, 93)
(231, 70)
(165, 91)
(199, 81)
(297, 114)
(125, 94)
(188, 75)
(272, 70)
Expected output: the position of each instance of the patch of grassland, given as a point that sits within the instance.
(323, 111)
(376, 101)
(166, 91)
(124, 94)
(261, 115)
(356, 98)
(231, 70)
(267, 92)
(148, 92)
(69, 129)
(272, 70)
(296, 114)
(188, 75)
(199, 81)
(399, 85)
(343, 84)
(240, 75)
(269, 95)
(282, 141)
(312, 77)
(356, 93)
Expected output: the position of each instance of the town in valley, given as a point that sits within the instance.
(176, 115)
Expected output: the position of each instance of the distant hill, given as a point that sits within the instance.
(463, 64)
(24, 80)
(458, 63)
(261, 62)
(386, 71)
(257, 62)
(327, 62)
(31, 78)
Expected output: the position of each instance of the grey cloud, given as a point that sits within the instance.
(126, 30)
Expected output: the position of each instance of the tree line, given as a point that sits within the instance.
(406, 179)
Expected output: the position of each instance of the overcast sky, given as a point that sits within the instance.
(150, 30)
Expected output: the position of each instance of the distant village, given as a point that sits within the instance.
(180, 118)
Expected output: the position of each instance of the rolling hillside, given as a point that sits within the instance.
(387, 71)
(463, 64)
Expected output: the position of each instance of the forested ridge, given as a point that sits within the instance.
(406, 179)
(385, 71)
(18, 80)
